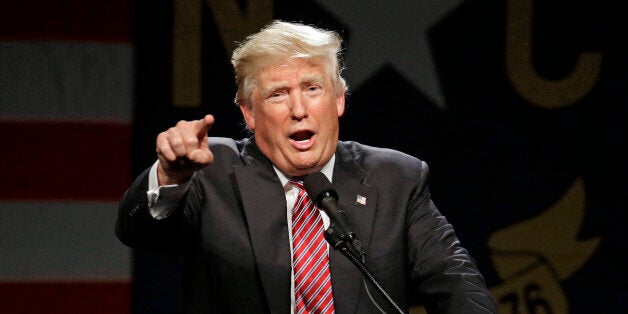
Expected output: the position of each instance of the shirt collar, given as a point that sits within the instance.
(327, 170)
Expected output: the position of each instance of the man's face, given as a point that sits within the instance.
(294, 113)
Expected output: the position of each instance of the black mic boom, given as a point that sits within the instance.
(340, 234)
(325, 197)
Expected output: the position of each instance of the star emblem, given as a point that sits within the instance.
(394, 33)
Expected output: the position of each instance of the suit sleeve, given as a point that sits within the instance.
(136, 228)
(441, 270)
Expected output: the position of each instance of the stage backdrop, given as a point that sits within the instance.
(66, 100)
(518, 106)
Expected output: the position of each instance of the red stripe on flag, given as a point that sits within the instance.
(58, 298)
(46, 160)
(97, 20)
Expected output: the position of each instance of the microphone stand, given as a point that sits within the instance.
(338, 243)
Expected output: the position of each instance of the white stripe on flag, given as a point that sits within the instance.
(61, 241)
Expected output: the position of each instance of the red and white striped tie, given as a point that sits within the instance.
(312, 279)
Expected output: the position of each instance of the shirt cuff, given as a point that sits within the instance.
(162, 200)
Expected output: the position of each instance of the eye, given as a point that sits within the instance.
(276, 96)
(314, 89)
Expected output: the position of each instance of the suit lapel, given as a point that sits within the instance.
(264, 205)
(264, 202)
(358, 200)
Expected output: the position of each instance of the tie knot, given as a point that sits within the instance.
(297, 183)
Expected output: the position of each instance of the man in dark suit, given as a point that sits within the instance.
(226, 206)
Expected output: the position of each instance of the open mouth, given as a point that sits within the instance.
(302, 136)
(302, 140)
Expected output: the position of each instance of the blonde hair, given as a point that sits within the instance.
(279, 41)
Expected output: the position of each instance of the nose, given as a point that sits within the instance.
(298, 108)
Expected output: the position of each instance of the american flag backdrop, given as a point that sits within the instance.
(66, 100)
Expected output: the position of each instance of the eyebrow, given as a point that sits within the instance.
(313, 78)
(273, 87)
(305, 79)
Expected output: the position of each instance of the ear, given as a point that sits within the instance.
(340, 104)
(247, 113)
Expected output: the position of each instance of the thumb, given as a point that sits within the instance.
(201, 156)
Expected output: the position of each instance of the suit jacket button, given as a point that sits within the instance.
(133, 211)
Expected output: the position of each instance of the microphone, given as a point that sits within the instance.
(325, 197)
(340, 233)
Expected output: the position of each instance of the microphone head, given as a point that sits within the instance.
(318, 187)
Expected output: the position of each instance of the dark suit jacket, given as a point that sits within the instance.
(231, 230)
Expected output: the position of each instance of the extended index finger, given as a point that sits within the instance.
(204, 125)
